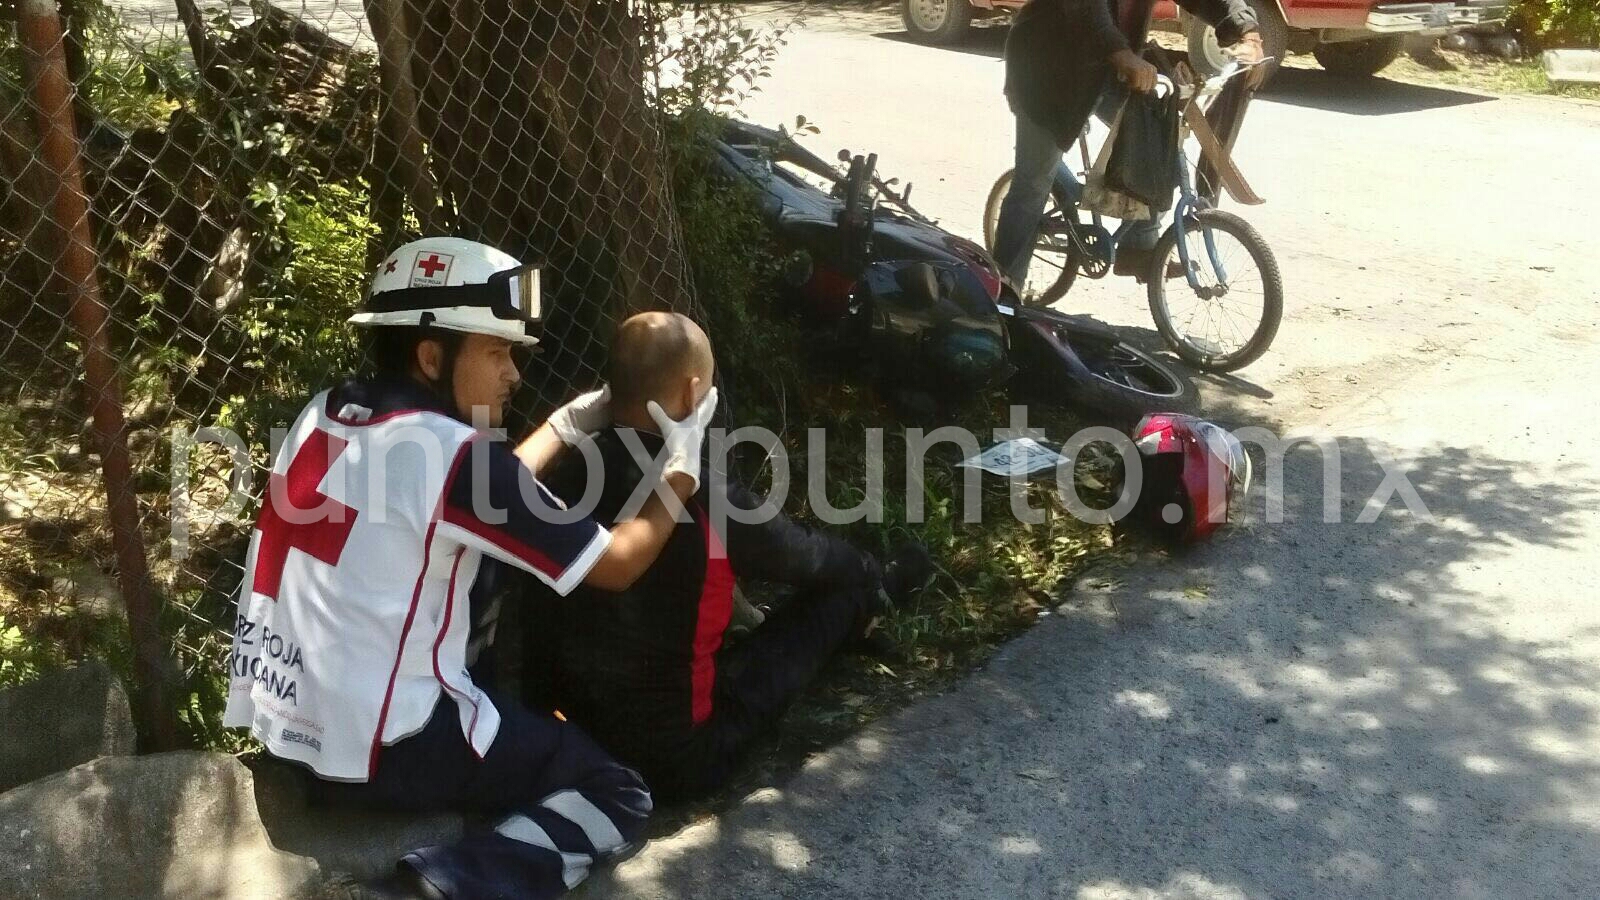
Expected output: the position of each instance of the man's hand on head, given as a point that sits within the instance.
(685, 438)
(636, 542)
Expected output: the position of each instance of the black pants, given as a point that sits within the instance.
(757, 679)
(559, 802)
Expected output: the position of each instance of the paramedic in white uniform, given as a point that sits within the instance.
(362, 590)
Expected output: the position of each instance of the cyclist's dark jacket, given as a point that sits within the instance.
(1058, 53)
(637, 669)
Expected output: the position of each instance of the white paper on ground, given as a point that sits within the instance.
(1018, 458)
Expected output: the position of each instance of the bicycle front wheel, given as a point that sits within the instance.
(1054, 265)
(1231, 318)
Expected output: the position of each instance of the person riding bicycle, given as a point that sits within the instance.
(392, 524)
(1060, 58)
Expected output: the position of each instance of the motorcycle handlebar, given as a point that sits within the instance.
(856, 217)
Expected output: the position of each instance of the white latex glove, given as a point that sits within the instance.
(582, 416)
(684, 439)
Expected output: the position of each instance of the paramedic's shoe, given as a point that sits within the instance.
(404, 883)
(622, 854)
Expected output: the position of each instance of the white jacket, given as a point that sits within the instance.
(353, 614)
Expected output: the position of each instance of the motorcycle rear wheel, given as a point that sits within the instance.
(1065, 359)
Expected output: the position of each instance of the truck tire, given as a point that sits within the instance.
(1206, 55)
(936, 21)
(1359, 59)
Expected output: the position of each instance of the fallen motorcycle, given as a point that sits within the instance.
(925, 308)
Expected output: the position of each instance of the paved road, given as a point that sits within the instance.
(1406, 708)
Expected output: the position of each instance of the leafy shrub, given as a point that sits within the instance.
(292, 334)
(1557, 23)
(707, 61)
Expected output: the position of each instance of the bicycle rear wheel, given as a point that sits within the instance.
(1233, 317)
(1054, 266)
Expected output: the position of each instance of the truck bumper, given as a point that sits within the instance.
(1435, 18)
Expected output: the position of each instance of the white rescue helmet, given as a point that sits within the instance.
(458, 285)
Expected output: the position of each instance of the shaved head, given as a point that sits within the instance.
(655, 356)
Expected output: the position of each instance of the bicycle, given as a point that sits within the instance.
(1067, 246)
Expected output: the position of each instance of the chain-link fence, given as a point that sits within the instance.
(192, 198)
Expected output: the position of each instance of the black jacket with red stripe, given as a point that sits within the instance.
(637, 669)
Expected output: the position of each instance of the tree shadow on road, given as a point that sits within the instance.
(1295, 86)
(1301, 709)
(983, 41)
(1376, 96)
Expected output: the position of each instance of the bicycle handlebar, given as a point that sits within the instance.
(1214, 85)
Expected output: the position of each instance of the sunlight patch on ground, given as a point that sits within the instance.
(1020, 846)
(1183, 886)
(1143, 703)
(652, 868)
(786, 851)
(1483, 765)
(1420, 805)
(1351, 865)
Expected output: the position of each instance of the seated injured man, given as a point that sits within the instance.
(645, 670)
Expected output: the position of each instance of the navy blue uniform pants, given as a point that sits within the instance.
(558, 803)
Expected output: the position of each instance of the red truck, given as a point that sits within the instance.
(1348, 37)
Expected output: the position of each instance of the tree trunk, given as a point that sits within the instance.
(74, 48)
(200, 43)
(541, 142)
(398, 150)
(25, 195)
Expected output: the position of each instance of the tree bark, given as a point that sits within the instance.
(399, 148)
(200, 43)
(541, 142)
(74, 46)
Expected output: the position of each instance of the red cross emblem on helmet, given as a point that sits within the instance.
(431, 269)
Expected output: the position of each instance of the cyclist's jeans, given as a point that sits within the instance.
(1039, 165)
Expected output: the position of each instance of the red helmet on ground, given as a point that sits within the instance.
(1195, 474)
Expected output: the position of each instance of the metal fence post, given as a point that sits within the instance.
(39, 28)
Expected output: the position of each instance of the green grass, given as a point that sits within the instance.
(1494, 76)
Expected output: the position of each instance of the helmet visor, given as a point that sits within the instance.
(520, 300)
(1226, 449)
(511, 295)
